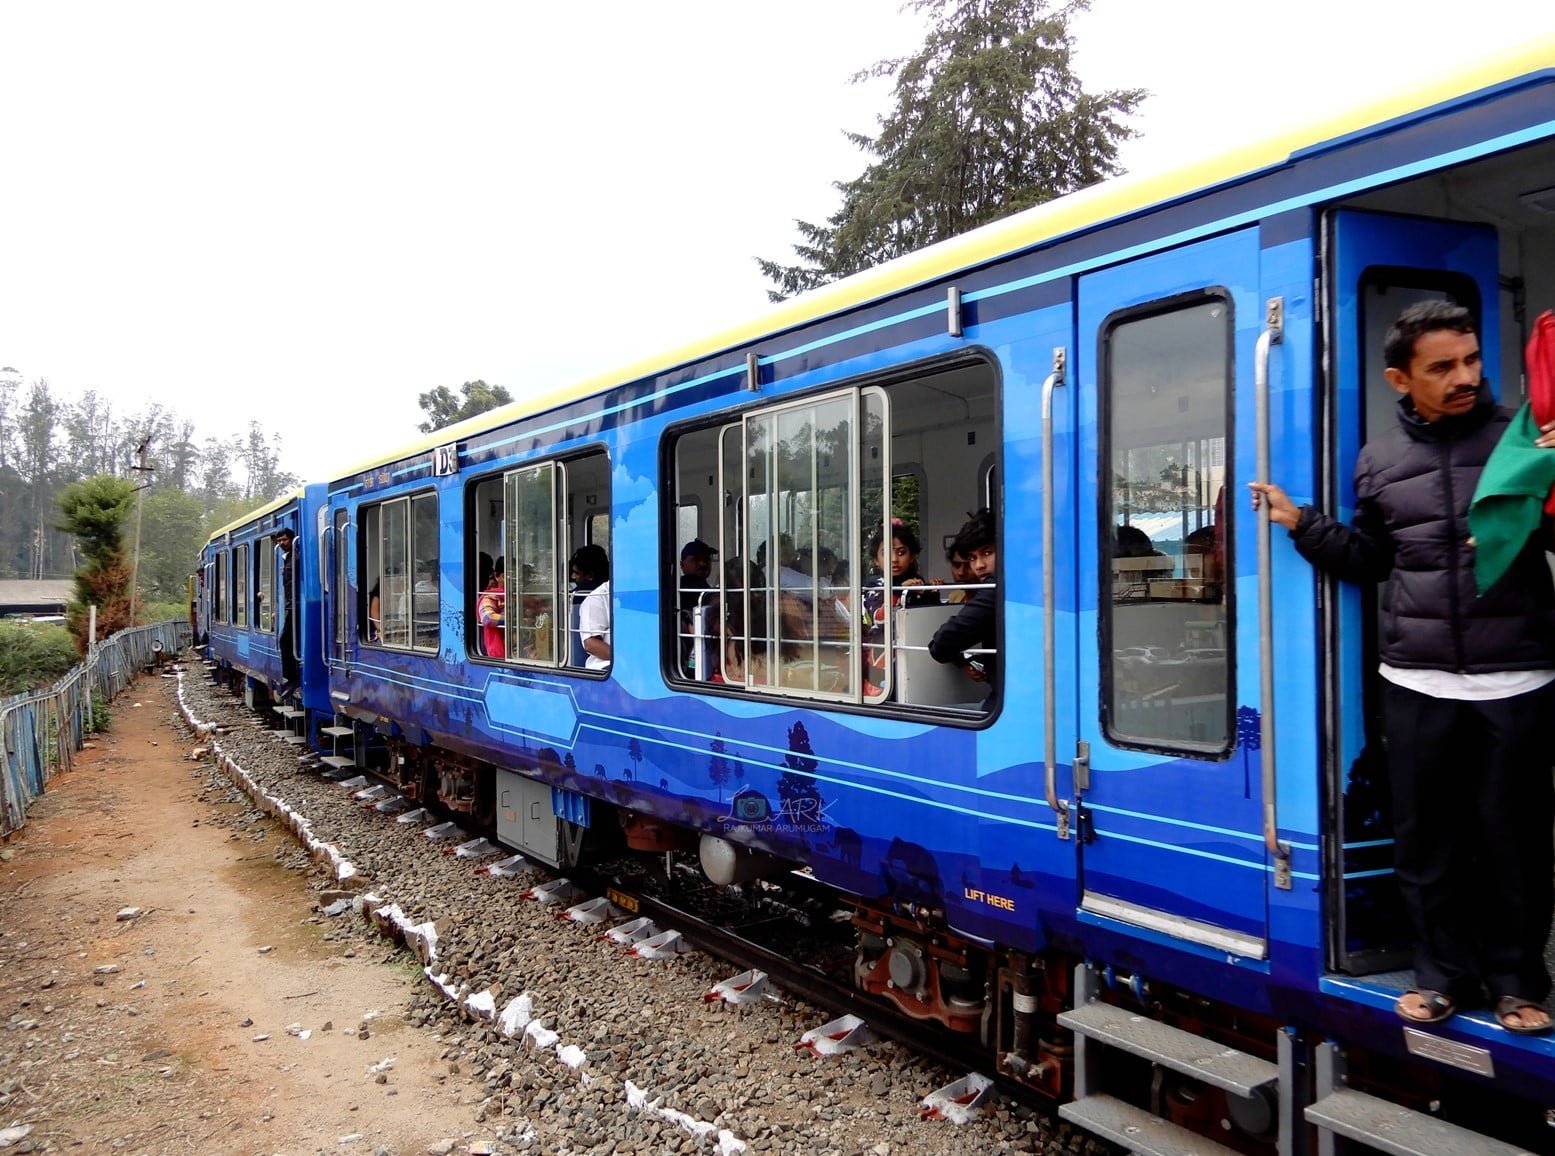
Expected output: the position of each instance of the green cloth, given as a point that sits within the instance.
(1509, 500)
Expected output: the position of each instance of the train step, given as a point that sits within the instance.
(1137, 1130)
(337, 732)
(289, 712)
(1400, 1131)
(339, 762)
(1184, 1052)
(295, 740)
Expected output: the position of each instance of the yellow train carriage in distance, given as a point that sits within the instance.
(1144, 859)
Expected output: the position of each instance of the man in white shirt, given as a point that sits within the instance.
(591, 563)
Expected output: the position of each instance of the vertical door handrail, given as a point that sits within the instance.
(326, 635)
(1273, 333)
(1049, 606)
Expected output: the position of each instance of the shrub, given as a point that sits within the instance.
(33, 656)
(150, 612)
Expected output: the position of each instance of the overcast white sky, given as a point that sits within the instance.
(308, 213)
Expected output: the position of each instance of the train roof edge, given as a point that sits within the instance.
(270, 507)
(1047, 223)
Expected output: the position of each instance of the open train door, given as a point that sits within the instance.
(1169, 822)
(1378, 264)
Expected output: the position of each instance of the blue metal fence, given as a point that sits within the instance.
(42, 731)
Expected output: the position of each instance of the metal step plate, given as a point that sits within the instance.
(1184, 1052)
(338, 761)
(1137, 1130)
(337, 732)
(1400, 1131)
(289, 711)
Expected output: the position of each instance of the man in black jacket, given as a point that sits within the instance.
(1469, 679)
(286, 539)
(974, 626)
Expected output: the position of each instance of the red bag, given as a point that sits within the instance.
(1540, 359)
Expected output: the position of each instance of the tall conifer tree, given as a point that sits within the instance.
(989, 118)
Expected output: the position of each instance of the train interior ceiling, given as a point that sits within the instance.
(1513, 192)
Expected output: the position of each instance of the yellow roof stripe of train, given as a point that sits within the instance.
(254, 515)
(1042, 223)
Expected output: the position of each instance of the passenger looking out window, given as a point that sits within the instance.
(968, 639)
(490, 612)
(696, 568)
(885, 592)
(592, 567)
(961, 577)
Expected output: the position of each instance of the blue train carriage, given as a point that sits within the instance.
(1158, 830)
(243, 603)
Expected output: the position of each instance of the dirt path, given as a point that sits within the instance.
(169, 1032)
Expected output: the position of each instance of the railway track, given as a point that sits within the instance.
(801, 968)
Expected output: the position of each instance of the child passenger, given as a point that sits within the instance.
(881, 595)
(490, 612)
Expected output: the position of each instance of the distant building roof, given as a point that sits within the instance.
(28, 596)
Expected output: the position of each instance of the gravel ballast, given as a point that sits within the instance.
(581, 1047)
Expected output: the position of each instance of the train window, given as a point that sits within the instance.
(596, 530)
(264, 584)
(219, 588)
(1165, 600)
(400, 572)
(240, 585)
(525, 527)
(530, 562)
(793, 604)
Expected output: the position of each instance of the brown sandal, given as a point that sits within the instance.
(1438, 1007)
(1509, 1006)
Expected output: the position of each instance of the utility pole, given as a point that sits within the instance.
(140, 497)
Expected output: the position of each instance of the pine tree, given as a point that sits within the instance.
(800, 797)
(989, 119)
(718, 769)
(95, 511)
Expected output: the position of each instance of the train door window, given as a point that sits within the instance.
(219, 588)
(399, 540)
(525, 527)
(1166, 600)
(240, 585)
(264, 585)
(340, 576)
